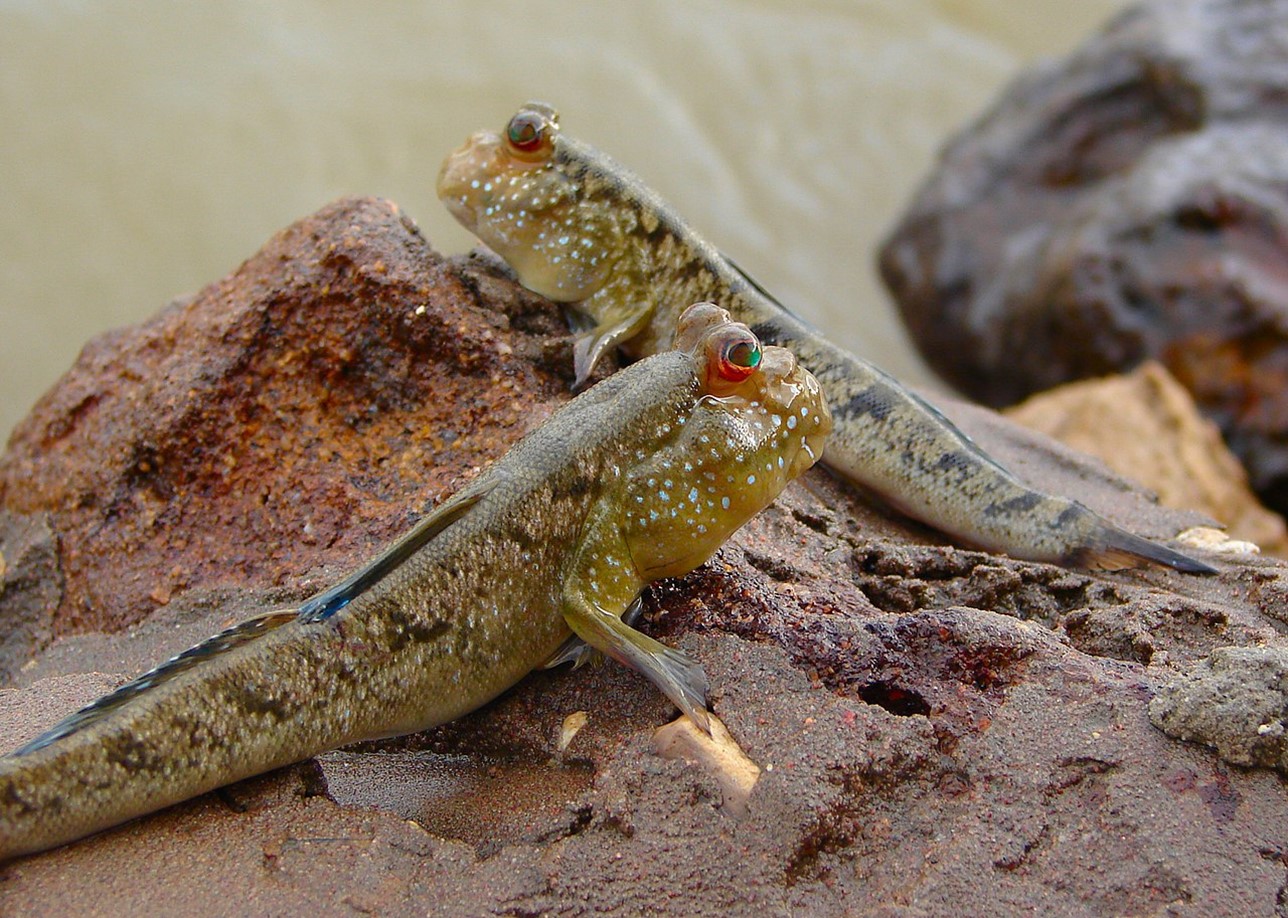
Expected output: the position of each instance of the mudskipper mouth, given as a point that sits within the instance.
(795, 401)
(462, 176)
(784, 378)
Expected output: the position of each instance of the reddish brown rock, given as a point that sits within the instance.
(279, 425)
(938, 731)
(1123, 204)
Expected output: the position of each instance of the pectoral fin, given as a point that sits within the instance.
(578, 652)
(574, 651)
(680, 678)
(618, 327)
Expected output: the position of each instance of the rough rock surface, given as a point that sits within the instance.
(1236, 700)
(938, 731)
(1126, 203)
(1145, 425)
(289, 418)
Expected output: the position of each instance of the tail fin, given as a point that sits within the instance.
(1116, 549)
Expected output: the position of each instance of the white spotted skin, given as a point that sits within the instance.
(533, 217)
(728, 463)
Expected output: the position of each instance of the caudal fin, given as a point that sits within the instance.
(1116, 549)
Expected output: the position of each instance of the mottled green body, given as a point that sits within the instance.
(558, 536)
(579, 228)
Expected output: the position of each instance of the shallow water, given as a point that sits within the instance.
(146, 149)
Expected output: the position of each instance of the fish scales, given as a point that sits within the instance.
(627, 483)
(581, 229)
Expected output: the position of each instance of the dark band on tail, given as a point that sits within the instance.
(1118, 549)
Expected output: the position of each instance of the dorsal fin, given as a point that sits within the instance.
(885, 377)
(224, 641)
(331, 600)
(318, 608)
(755, 285)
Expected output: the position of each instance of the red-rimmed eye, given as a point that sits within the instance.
(526, 131)
(737, 354)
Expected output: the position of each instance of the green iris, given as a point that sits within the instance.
(745, 354)
(524, 130)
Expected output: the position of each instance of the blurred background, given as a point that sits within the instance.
(146, 149)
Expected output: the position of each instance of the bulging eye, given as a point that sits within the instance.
(737, 354)
(526, 132)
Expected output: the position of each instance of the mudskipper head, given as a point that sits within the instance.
(760, 421)
(525, 193)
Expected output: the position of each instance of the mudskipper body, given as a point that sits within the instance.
(638, 478)
(581, 229)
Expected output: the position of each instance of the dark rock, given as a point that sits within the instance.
(1127, 203)
(939, 731)
(31, 585)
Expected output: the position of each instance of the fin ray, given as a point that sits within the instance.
(322, 606)
(226, 640)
